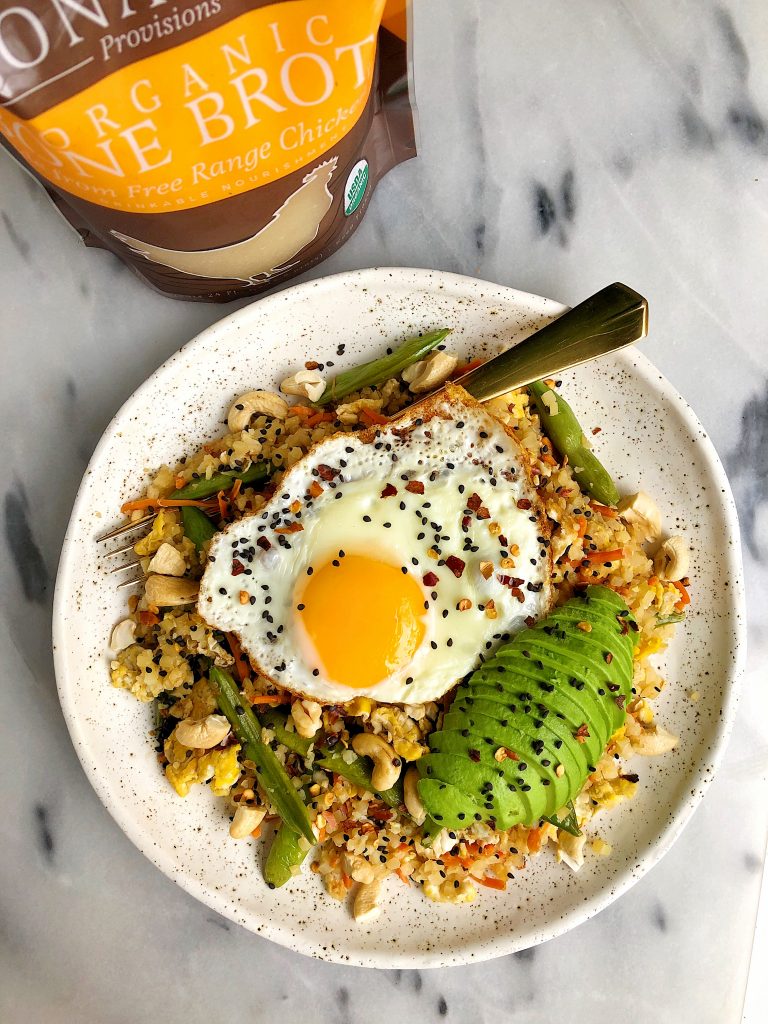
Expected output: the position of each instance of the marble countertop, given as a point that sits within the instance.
(563, 146)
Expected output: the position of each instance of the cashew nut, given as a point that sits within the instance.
(254, 403)
(123, 635)
(411, 797)
(386, 763)
(202, 733)
(307, 716)
(306, 384)
(672, 560)
(359, 869)
(654, 741)
(570, 849)
(168, 561)
(430, 373)
(168, 591)
(246, 819)
(366, 904)
(641, 511)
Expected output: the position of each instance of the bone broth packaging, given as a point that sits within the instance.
(218, 147)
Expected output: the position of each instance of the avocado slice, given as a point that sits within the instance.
(560, 730)
(450, 806)
(489, 788)
(531, 697)
(581, 679)
(519, 737)
(555, 749)
(525, 774)
(524, 675)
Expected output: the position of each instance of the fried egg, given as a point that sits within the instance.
(390, 562)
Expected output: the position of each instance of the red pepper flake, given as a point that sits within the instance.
(311, 364)
(388, 491)
(630, 778)
(483, 513)
(524, 503)
(326, 472)
(513, 582)
(380, 813)
(263, 543)
(596, 430)
(503, 541)
(465, 521)
(517, 592)
(237, 567)
(474, 501)
(315, 489)
(456, 565)
(582, 733)
(530, 621)
(608, 657)
(620, 701)
(290, 528)
(430, 579)
(148, 618)
(415, 487)
(474, 755)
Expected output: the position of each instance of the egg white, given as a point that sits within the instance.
(458, 451)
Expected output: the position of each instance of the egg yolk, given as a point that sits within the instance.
(363, 617)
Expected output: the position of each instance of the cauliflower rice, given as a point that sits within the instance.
(361, 840)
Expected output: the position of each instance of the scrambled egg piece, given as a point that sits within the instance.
(134, 669)
(608, 793)
(186, 767)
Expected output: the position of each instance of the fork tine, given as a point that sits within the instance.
(130, 583)
(121, 550)
(127, 528)
(122, 568)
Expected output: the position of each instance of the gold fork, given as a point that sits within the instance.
(609, 320)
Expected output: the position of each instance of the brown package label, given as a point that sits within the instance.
(218, 147)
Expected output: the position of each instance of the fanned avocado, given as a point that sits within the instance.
(526, 728)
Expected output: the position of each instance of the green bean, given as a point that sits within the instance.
(202, 488)
(379, 370)
(284, 854)
(358, 773)
(667, 620)
(275, 721)
(566, 435)
(271, 774)
(197, 526)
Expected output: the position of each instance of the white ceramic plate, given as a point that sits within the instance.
(650, 438)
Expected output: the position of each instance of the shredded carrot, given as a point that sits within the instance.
(491, 882)
(267, 698)
(604, 510)
(256, 832)
(144, 503)
(403, 878)
(605, 556)
(461, 370)
(582, 527)
(302, 410)
(546, 457)
(534, 840)
(179, 481)
(346, 880)
(148, 618)
(371, 416)
(290, 528)
(402, 847)
(236, 488)
(242, 668)
(223, 504)
(684, 596)
(330, 821)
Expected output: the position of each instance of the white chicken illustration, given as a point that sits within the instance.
(292, 227)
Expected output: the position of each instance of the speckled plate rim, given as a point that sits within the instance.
(373, 279)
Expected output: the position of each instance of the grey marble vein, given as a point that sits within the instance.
(563, 146)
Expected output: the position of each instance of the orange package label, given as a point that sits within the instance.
(211, 118)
